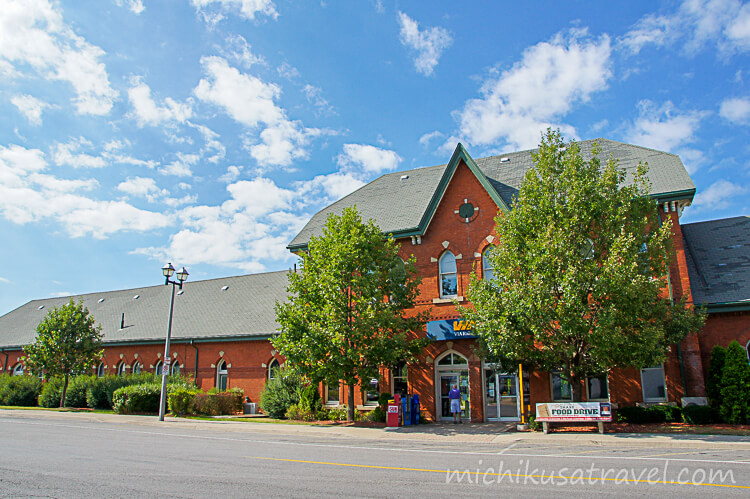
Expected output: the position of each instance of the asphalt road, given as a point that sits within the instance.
(55, 455)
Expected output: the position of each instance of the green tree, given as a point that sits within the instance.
(68, 342)
(715, 373)
(579, 271)
(346, 315)
(735, 385)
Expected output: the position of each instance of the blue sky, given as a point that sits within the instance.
(207, 132)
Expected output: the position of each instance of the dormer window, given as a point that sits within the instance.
(448, 275)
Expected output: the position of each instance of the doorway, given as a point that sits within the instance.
(452, 369)
(501, 396)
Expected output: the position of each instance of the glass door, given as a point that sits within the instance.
(508, 396)
(447, 380)
(490, 395)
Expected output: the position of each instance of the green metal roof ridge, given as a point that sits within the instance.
(730, 306)
(460, 153)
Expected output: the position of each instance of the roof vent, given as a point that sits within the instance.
(224, 288)
(136, 297)
(504, 159)
(180, 291)
(100, 300)
(404, 177)
(40, 307)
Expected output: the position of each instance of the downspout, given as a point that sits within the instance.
(679, 350)
(195, 376)
(5, 368)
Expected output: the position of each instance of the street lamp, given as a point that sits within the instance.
(182, 276)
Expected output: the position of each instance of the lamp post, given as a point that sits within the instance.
(182, 276)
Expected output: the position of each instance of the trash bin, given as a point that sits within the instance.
(394, 412)
(415, 409)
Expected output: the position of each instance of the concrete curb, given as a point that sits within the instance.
(438, 433)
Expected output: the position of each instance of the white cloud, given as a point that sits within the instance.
(237, 49)
(144, 187)
(232, 174)
(212, 10)
(3, 279)
(287, 71)
(369, 159)
(181, 166)
(147, 112)
(429, 43)
(667, 129)
(135, 6)
(536, 92)
(28, 195)
(247, 99)
(725, 23)
(718, 195)
(282, 143)
(67, 154)
(315, 97)
(33, 32)
(31, 107)
(736, 110)
(425, 139)
(332, 187)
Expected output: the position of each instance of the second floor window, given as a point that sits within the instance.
(448, 275)
(487, 271)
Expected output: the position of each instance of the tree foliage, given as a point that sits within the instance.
(346, 316)
(715, 371)
(68, 342)
(735, 385)
(579, 271)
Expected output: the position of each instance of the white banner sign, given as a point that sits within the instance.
(574, 411)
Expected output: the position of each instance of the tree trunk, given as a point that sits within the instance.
(576, 387)
(350, 402)
(64, 392)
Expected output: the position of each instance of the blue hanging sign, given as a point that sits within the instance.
(452, 329)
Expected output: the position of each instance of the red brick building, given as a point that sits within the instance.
(444, 216)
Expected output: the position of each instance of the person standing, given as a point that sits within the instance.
(455, 397)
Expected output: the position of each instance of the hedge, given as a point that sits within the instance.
(137, 399)
(181, 400)
(699, 414)
(653, 414)
(218, 404)
(19, 390)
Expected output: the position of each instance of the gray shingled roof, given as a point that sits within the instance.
(203, 311)
(398, 205)
(718, 257)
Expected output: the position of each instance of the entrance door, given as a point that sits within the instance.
(447, 380)
(501, 396)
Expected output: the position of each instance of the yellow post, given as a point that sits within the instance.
(520, 384)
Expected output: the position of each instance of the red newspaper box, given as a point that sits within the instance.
(393, 416)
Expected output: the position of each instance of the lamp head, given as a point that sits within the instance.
(167, 270)
(182, 275)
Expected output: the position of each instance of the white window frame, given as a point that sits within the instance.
(487, 265)
(222, 372)
(552, 387)
(606, 380)
(441, 273)
(137, 367)
(397, 369)
(158, 367)
(18, 370)
(100, 370)
(122, 368)
(660, 367)
(175, 366)
(365, 401)
(747, 351)
(327, 391)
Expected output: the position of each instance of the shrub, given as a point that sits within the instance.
(51, 392)
(666, 413)
(137, 399)
(637, 415)
(377, 415)
(338, 414)
(698, 414)
(735, 385)
(533, 424)
(180, 400)
(715, 370)
(309, 399)
(280, 393)
(383, 399)
(101, 390)
(77, 390)
(19, 390)
(217, 404)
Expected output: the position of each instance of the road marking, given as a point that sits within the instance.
(483, 474)
(682, 453)
(361, 447)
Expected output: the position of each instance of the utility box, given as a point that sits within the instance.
(248, 408)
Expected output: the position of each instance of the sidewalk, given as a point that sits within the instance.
(489, 433)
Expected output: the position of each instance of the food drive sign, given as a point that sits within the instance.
(574, 411)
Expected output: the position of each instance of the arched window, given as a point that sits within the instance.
(448, 275)
(136, 367)
(158, 368)
(18, 370)
(273, 368)
(100, 370)
(121, 368)
(222, 377)
(175, 369)
(453, 359)
(747, 349)
(487, 272)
